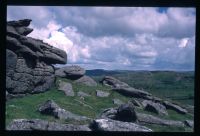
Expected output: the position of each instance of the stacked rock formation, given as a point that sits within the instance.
(75, 73)
(29, 61)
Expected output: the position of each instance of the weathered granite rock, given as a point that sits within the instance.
(136, 103)
(124, 88)
(66, 88)
(189, 123)
(132, 92)
(28, 61)
(154, 107)
(126, 112)
(150, 119)
(100, 93)
(109, 113)
(113, 82)
(86, 80)
(113, 125)
(42, 125)
(174, 107)
(117, 102)
(51, 108)
(70, 72)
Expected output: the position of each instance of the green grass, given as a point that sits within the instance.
(164, 84)
(26, 107)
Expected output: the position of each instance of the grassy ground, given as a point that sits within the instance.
(26, 107)
(164, 84)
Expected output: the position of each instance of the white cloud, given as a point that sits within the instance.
(116, 38)
(183, 43)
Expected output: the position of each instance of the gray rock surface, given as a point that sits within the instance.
(189, 123)
(124, 88)
(126, 112)
(154, 107)
(136, 103)
(28, 61)
(113, 125)
(100, 93)
(42, 125)
(117, 102)
(70, 72)
(113, 82)
(82, 94)
(86, 80)
(51, 108)
(150, 119)
(132, 92)
(175, 107)
(109, 113)
(66, 88)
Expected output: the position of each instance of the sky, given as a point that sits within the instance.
(116, 38)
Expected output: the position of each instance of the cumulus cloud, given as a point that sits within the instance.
(117, 38)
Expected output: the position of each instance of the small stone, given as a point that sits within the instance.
(100, 93)
(82, 94)
(117, 101)
(66, 88)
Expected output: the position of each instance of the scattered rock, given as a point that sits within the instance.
(132, 92)
(37, 124)
(126, 112)
(29, 61)
(113, 82)
(136, 103)
(190, 109)
(51, 108)
(100, 93)
(154, 107)
(109, 113)
(113, 125)
(150, 119)
(82, 94)
(189, 123)
(174, 107)
(86, 80)
(66, 88)
(117, 101)
(70, 72)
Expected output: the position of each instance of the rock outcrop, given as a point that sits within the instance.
(51, 108)
(124, 88)
(150, 119)
(125, 112)
(75, 73)
(154, 107)
(70, 72)
(114, 125)
(113, 82)
(175, 107)
(42, 125)
(29, 61)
